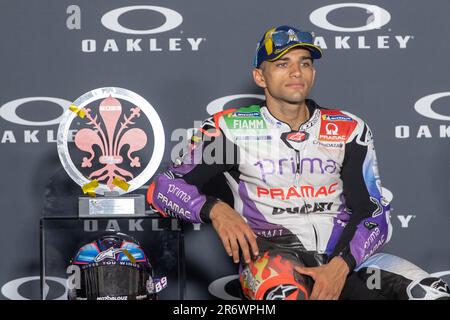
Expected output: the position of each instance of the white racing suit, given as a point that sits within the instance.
(318, 186)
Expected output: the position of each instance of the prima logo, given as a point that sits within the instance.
(376, 20)
(423, 106)
(111, 20)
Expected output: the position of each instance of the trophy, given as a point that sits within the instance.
(102, 141)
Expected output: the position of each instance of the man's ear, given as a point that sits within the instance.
(258, 77)
(313, 76)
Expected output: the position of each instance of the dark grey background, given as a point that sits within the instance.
(41, 57)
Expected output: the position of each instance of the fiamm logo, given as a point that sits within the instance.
(113, 21)
(377, 19)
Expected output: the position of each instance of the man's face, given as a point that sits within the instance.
(289, 78)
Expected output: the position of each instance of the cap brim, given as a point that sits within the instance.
(316, 52)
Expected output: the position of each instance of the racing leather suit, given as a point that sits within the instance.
(319, 184)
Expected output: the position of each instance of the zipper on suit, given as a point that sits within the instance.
(297, 183)
(297, 172)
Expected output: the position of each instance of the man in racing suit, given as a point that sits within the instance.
(308, 210)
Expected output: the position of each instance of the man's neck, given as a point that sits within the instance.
(292, 114)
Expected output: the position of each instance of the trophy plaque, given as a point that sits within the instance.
(106, 146)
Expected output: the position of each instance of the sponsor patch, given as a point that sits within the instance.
(336, 118)
(257, 138)
(336, 131)
(245, 114)
(299, 136)
(370, 225)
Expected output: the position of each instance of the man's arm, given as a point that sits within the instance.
(368, 228)
(178, 191)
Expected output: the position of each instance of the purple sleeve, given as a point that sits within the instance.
(368, 227)
(175, 197)
(178, 191)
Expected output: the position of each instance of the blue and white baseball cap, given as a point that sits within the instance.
(277, 41)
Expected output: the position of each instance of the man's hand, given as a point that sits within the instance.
(329, 279)
(233, 231)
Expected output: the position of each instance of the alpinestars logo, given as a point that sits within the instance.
(377, 19)
(110, 253)
(281, 292)
(146, 39)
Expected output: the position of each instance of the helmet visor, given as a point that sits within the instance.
(114, 282)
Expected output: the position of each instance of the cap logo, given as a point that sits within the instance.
(292, 35)
(268, 41)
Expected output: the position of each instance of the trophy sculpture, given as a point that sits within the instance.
(110, 146)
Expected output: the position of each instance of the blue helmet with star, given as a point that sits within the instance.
(114, 267)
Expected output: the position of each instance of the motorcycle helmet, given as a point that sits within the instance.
(114, 267)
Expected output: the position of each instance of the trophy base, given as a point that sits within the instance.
(128, 205)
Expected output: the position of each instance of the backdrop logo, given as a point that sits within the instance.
(12, 113)
(218, 288)
(423, 106)
(377, 18)
(113, 21)
(9, 112)
(403, 219)
(53, 286)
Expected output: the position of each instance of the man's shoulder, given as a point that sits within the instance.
(252, 111)
(230, 118)
(248, 117)
(338, 114)
(344, 124)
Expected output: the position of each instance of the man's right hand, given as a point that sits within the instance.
(233, 231)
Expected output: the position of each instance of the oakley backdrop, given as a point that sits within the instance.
(386, 61)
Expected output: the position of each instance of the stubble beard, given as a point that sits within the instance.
(292, 99)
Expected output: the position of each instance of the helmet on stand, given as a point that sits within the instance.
(114, 267)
